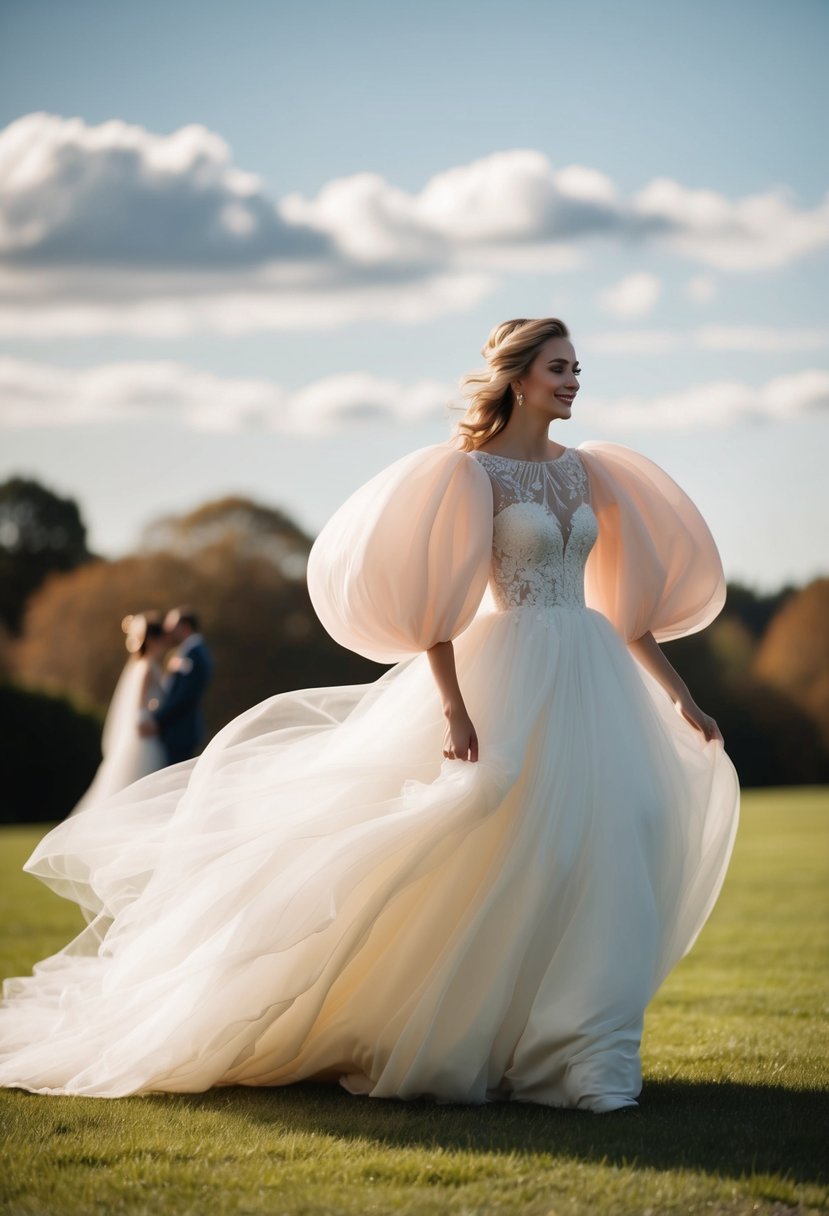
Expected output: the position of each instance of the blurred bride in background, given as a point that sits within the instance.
(126, 754)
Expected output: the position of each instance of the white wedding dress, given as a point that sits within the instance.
(321, 895)
(127, 756)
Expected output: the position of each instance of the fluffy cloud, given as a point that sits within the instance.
(760, 338)
(32, 395)
(166, 391)
(118, 195)
(716, 405)
(701, 288)
(632, 296)
(759, 232)
(113, 228)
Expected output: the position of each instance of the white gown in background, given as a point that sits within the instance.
(321, 895)
(126, 755)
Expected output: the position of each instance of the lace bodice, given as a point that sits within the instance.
(544, 529)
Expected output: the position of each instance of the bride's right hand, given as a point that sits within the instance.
(460, 741)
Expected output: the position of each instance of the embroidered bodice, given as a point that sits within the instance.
(544, 529)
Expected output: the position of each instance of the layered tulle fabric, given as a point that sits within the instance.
(655, 565)
(321, 895)
(404, 562)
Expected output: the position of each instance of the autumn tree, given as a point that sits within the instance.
(771, 738)
(250, 528)
(793, 657)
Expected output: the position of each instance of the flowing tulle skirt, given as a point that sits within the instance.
(320, 895)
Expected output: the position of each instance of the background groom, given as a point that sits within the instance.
(178, 719)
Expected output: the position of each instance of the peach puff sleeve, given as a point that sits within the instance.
(405, 561)
(655, 565)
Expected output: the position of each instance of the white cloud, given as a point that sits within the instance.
(701, 288)
(119, 195)
(171, 393)
(632, 296)
(633, 342)
(166, 392)
(761, 338)
(758, 338)
(759, 232)
(113, 228)
(716, 405)
(262, 302)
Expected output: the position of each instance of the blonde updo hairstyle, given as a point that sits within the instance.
(509, 351)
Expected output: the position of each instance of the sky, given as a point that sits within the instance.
(253, 248)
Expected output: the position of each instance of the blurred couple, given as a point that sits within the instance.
(155, 717)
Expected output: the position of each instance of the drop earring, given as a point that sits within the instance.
(520, 398)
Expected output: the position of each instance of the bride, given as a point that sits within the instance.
(464, 880)
(126, 755)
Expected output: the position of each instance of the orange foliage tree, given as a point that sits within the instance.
(793, 656)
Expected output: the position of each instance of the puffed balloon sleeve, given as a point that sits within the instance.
(655, 565)
(404, 562)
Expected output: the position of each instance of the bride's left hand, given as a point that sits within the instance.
(692, 713)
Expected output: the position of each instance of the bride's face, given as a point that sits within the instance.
(553, 379)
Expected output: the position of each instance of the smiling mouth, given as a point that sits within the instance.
(570, 400)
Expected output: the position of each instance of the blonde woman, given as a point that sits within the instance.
(464, 880)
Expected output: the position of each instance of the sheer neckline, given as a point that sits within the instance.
(518, 460)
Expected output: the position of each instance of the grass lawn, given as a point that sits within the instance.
(734, 1106)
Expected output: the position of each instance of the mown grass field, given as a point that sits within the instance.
(735, 1115)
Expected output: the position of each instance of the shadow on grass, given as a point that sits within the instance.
(718, 1128)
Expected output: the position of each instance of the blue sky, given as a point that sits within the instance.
(252, 247)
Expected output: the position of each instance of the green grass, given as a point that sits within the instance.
(734, 1106)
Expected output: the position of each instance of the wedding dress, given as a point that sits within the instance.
(321, 895)
(126, 755)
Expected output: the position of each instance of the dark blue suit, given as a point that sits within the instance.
(179, 716)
